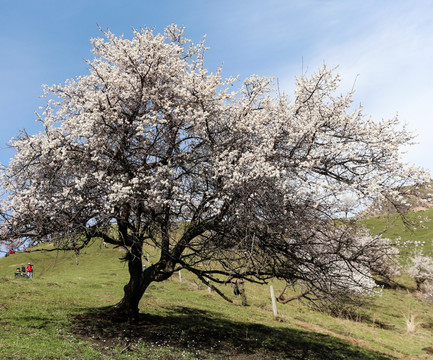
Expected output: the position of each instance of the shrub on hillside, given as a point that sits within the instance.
(420, 268)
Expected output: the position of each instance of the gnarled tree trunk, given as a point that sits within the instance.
(133, 292)
(139, 280)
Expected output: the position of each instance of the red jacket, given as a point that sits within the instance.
(29, 268)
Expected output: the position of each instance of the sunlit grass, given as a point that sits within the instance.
(51, 316)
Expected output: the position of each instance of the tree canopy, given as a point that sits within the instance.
(226, 179)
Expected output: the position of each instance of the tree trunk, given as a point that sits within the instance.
(139, 280)
(242, 293)
(419, 283)
(127, 308)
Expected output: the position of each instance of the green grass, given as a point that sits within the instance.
(392, 227)
(61, 314)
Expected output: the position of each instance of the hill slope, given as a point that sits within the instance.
(59, 315)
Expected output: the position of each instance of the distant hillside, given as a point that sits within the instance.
(418, 198)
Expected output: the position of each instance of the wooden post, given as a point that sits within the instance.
(274, 302)
(209, 289)
(77, 252)
(242, 292)
(180, 276)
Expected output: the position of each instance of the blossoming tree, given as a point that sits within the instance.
(420, 268)
(226, 180)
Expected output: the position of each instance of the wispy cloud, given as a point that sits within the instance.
(387, 48)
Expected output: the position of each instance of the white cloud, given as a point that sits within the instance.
(390, 54)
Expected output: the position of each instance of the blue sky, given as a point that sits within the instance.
(385, 45)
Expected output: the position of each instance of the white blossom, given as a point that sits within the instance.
(150, 140)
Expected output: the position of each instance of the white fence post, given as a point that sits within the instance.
(274, 302)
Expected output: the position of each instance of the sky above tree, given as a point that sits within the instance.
(382, 48)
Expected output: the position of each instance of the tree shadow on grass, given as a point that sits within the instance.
(208, 335)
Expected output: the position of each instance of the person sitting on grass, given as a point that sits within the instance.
(17, 273)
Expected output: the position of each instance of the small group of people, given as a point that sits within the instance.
(24, 272)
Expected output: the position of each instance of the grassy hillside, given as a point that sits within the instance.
(60, 315)
(392, 227)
